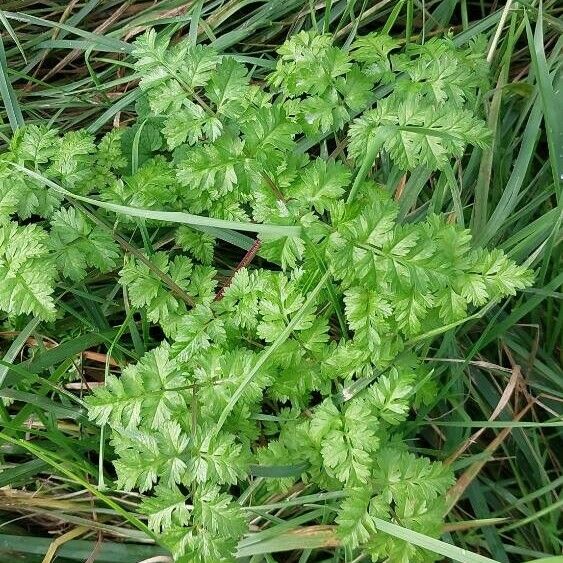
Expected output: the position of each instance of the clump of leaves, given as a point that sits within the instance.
(310, 363)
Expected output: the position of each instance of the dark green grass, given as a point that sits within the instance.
(66, 63)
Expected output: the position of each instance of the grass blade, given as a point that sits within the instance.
(167, 216)
(11, 104)
(437, 546)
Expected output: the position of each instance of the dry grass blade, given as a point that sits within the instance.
(61, 540)
(514, 380)
(455, 493)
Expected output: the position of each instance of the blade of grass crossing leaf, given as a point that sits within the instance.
(265, 355)
(299, 539)
(330, 288)
(300, 500)
(432, 544)
(168, 216)
(417, 180)
(371, 152)
(277, 471)
(456, 194)
(135, 147)
(255, 543)
(228, 235)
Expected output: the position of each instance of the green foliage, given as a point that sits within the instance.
(146, 289)
(26, 270)
(150, 391)
(78, 245)
(415, 134)
(428, 118)
(346, 439)
(316, 364)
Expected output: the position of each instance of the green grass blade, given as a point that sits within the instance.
(9, 98)
(95, 40)
(15, 348)
(511, 192)
(437, 546)
(78, 550)
(551, 109)
(12, 33)
(265, 355)
(167, 216)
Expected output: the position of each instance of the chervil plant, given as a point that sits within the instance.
(306, 368)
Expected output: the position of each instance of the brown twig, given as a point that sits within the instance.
(246, 260)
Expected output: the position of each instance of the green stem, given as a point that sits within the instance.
(374, 146)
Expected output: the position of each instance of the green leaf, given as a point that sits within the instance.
(78, 245)
(401, 475)
(26, 271)
(145, 396)
(281, 300)
(166, 508)
(145, 458)
(195, 332)
(320, 183)
(219, 514)
(416, 134)
(356, 523)
(147, 290)
(228, 86)
(346, 440)
(390, 396)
